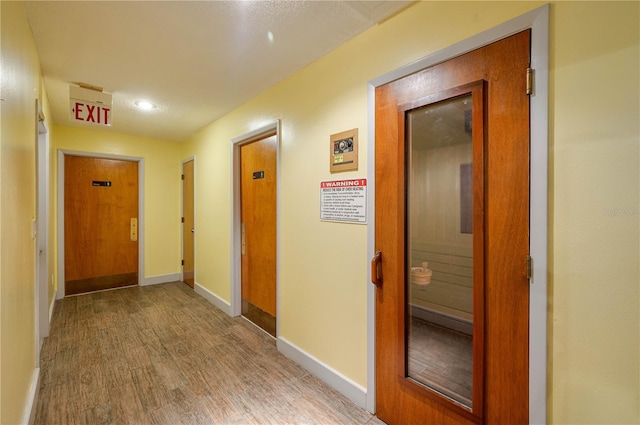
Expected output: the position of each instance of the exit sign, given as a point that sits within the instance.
(90, 112)
(89, 106)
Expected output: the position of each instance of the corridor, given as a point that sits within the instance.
(162, 354)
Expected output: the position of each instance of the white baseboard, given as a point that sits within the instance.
(164, 278)
(331, 377)
(212, 298)
(31, 397)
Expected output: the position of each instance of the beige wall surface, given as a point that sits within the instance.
(20, 82)
(595, 95)
(162, 188)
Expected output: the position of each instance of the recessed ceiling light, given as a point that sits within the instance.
(270, 36)
(145, 105)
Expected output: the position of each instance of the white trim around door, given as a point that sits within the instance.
(267, 130)
(184, 161)
(42, 249)
(60, 210)
(538, 21)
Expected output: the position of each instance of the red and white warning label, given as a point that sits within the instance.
(344, 201)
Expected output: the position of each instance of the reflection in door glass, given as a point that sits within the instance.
(440, 248)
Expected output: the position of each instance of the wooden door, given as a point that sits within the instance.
(422, 280)
(100, 224)
(188, 224)
(258, 205)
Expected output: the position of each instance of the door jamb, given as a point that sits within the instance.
(60, 210)
(538, 21)
(42, 248)
(273, 128)
(191, 158)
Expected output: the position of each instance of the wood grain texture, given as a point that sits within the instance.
(188, 269)
(503, 398)
(97, 220)
(152, 370)
(80, 286)
(259, 218)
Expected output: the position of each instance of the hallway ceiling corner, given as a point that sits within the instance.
(195, 60)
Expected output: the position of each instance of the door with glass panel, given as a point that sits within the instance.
(452, 236)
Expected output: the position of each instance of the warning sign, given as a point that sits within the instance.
(344, 201)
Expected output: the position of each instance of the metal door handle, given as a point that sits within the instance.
(376, 269)
(193, 230)
(133, 233)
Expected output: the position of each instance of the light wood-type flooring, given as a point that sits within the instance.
(441, 359)
(164, 355)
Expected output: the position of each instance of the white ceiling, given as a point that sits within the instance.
(195, 60)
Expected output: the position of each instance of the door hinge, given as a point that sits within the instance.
(529, 81)
(182, 221)
(182, 262)
(243, 240)
(529, 267)
(182, 176)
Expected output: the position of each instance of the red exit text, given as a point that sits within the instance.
(91, 113)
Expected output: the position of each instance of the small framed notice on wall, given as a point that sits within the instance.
(344, 151)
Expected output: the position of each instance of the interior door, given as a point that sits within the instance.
(188, 224)
(452, 233)
(258, 206)
(100, 224)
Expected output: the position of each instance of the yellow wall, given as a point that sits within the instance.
(323, 266)
(162, 188)
(594, 168)
(595, 113)
(20, 84)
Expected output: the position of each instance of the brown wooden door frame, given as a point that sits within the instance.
(60, 211)
(235, 307)
(538, 21)
(188, 227)
(500, 150)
